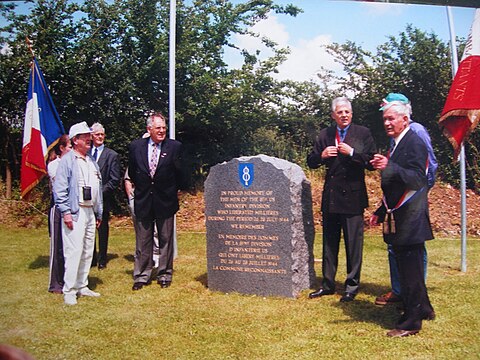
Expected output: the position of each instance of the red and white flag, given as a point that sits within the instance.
(461, 112)
(41, 131)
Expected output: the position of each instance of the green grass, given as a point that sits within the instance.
(187, 321)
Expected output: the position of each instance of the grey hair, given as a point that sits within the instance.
(96, 127)
(153, 114)
(400, 108)
(341, 100)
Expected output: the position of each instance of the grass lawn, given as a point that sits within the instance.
(187, 321)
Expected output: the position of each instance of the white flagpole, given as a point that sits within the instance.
(463, 197)
(171, 95)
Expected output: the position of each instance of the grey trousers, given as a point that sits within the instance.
(144, 243)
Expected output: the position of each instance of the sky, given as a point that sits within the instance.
(327, 21)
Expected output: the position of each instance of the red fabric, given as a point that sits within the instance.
(33, 167)
(462, 108)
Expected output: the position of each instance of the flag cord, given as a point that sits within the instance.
(29, 204)
(30, 47)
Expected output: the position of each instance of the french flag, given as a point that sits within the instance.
(42, 130)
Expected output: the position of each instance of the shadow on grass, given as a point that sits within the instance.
(365, 310)
(93, 282)
(40, 262)
(112, 257)
(203, 279)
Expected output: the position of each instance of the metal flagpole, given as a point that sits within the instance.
(171, 70)
(171, 95)
(463, 196)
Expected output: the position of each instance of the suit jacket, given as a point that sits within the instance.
(156, 198)
(344, 191)
(109, 165)
(406, 170)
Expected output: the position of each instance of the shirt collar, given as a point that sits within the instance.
(150, 142)
(400, 137)
(346, 129)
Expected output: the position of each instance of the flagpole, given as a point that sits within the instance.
(463, 190)
(171, 95)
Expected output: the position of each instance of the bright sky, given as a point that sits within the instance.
(327, 21)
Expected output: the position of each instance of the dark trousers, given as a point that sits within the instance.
(57, 261)
(144, 243)
(412, 281)
(352, 227)
(103, 230)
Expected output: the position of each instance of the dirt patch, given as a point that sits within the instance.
(444, 203)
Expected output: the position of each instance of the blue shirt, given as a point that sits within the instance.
(422, 133)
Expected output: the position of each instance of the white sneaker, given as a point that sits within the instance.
(87, 292)
(70, 299)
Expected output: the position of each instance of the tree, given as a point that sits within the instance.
(416, 64)
(108, 62)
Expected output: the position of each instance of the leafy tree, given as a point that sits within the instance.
(107, 61)
(416, 64)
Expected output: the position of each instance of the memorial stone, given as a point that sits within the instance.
(260, 228)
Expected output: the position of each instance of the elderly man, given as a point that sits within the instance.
(394, 296)
(404, 213)
(78, 196)
(109, 164)
(155, 170)
(345, 149)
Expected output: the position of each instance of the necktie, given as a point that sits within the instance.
(153, 160)
(392, 146)
(95, 153)
(342, 134)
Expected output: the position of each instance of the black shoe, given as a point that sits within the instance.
(430, 316)
(102, 266)
(348, 297)
(164, 283)
(320, 292)
(137, 286)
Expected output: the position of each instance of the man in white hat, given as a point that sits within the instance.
(78, 196)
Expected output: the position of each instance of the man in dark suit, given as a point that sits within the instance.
(109, 164)
(345, 149)
(404, 213)
(155, 169)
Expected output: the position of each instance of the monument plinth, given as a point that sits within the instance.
(260, 227)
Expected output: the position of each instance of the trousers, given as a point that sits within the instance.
(78, 250)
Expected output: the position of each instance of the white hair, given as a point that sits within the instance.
(341, 100)
(399, 107)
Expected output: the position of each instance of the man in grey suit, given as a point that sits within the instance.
(345, 150)
(109, 164)
(404, 214)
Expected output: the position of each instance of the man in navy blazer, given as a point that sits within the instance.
(109, 163)
(345, 149)
(404, 213)
(155, 169)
